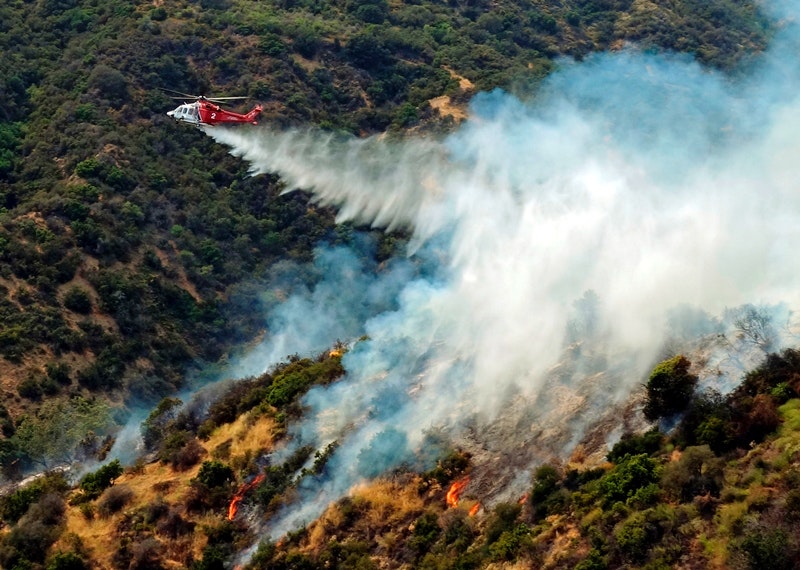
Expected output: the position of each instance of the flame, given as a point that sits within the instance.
(239, 495)
(474, 510)
(523, 499)
(454, 493)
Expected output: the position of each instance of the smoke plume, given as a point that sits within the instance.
(639, 200)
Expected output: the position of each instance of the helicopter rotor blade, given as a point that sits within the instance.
(181, 93)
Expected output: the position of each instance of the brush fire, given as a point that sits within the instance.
(239, 495)
(454, 493)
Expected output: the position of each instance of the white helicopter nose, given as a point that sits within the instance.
(170, 113)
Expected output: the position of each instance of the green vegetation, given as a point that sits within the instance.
(669, 388)
(132, 251)
(651, 508)
(92, 484)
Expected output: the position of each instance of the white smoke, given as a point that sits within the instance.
(646, 180)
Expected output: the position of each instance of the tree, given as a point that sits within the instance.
(633, 473)
(55, 430)
(215, 474)
(77, 299)
(109, 82)
(697, 472)
(669, 388)
(155, 427)
(95, 483)
(67, 561)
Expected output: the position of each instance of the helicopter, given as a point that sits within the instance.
(208, 111)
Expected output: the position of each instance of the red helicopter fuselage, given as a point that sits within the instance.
(203, 112)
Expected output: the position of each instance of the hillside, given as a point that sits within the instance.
(718, 493)
(140, 260)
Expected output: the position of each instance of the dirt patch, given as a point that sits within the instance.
(183, 280)
(464, 83)
(444, 104)
(307, 64)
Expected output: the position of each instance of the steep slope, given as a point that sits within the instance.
(135, 252)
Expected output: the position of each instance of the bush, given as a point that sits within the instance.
(632, 474)
(113, 500)
(59, 372)
(67, 561)
(14, 505)
(173, 525)
(30, 389)
(697, 472)
(146, 555)
(593, 561)
(155, 427)
(110, 82)
(509, 543)
(34, 533)
(633, 444)
(95, 483)
(215, 474)
(77, 299)
(767, 548)
(669, 388)
(28, 540)
(503, 519)
(426, 531)
(182, 451)
(632, 538)
(547, 496)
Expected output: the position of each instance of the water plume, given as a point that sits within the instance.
(636, 200)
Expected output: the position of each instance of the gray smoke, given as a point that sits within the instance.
(638, 201)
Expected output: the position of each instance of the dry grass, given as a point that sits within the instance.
(389, 502)
(98, 536)
(250, 434)
(384, 506)
(444, 104)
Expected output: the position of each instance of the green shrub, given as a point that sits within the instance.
(768, 548)
(630, 475)
(426, 532)
(77, 299)
(95, 483)
(88, 168)
(636, 444)
(30, 388)
(503, 519)
(66, 561)
(593, 561)
(669, 388)
(697, 472)
(508, 545)
(59, 372)
(16, 504)
(215, 474)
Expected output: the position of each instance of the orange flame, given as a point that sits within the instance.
(239, 495)
(474, 510)
(523, 499)
(454, 493)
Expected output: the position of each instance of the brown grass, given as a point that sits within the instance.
(250, 434)
(444, 104)
(389, 502)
